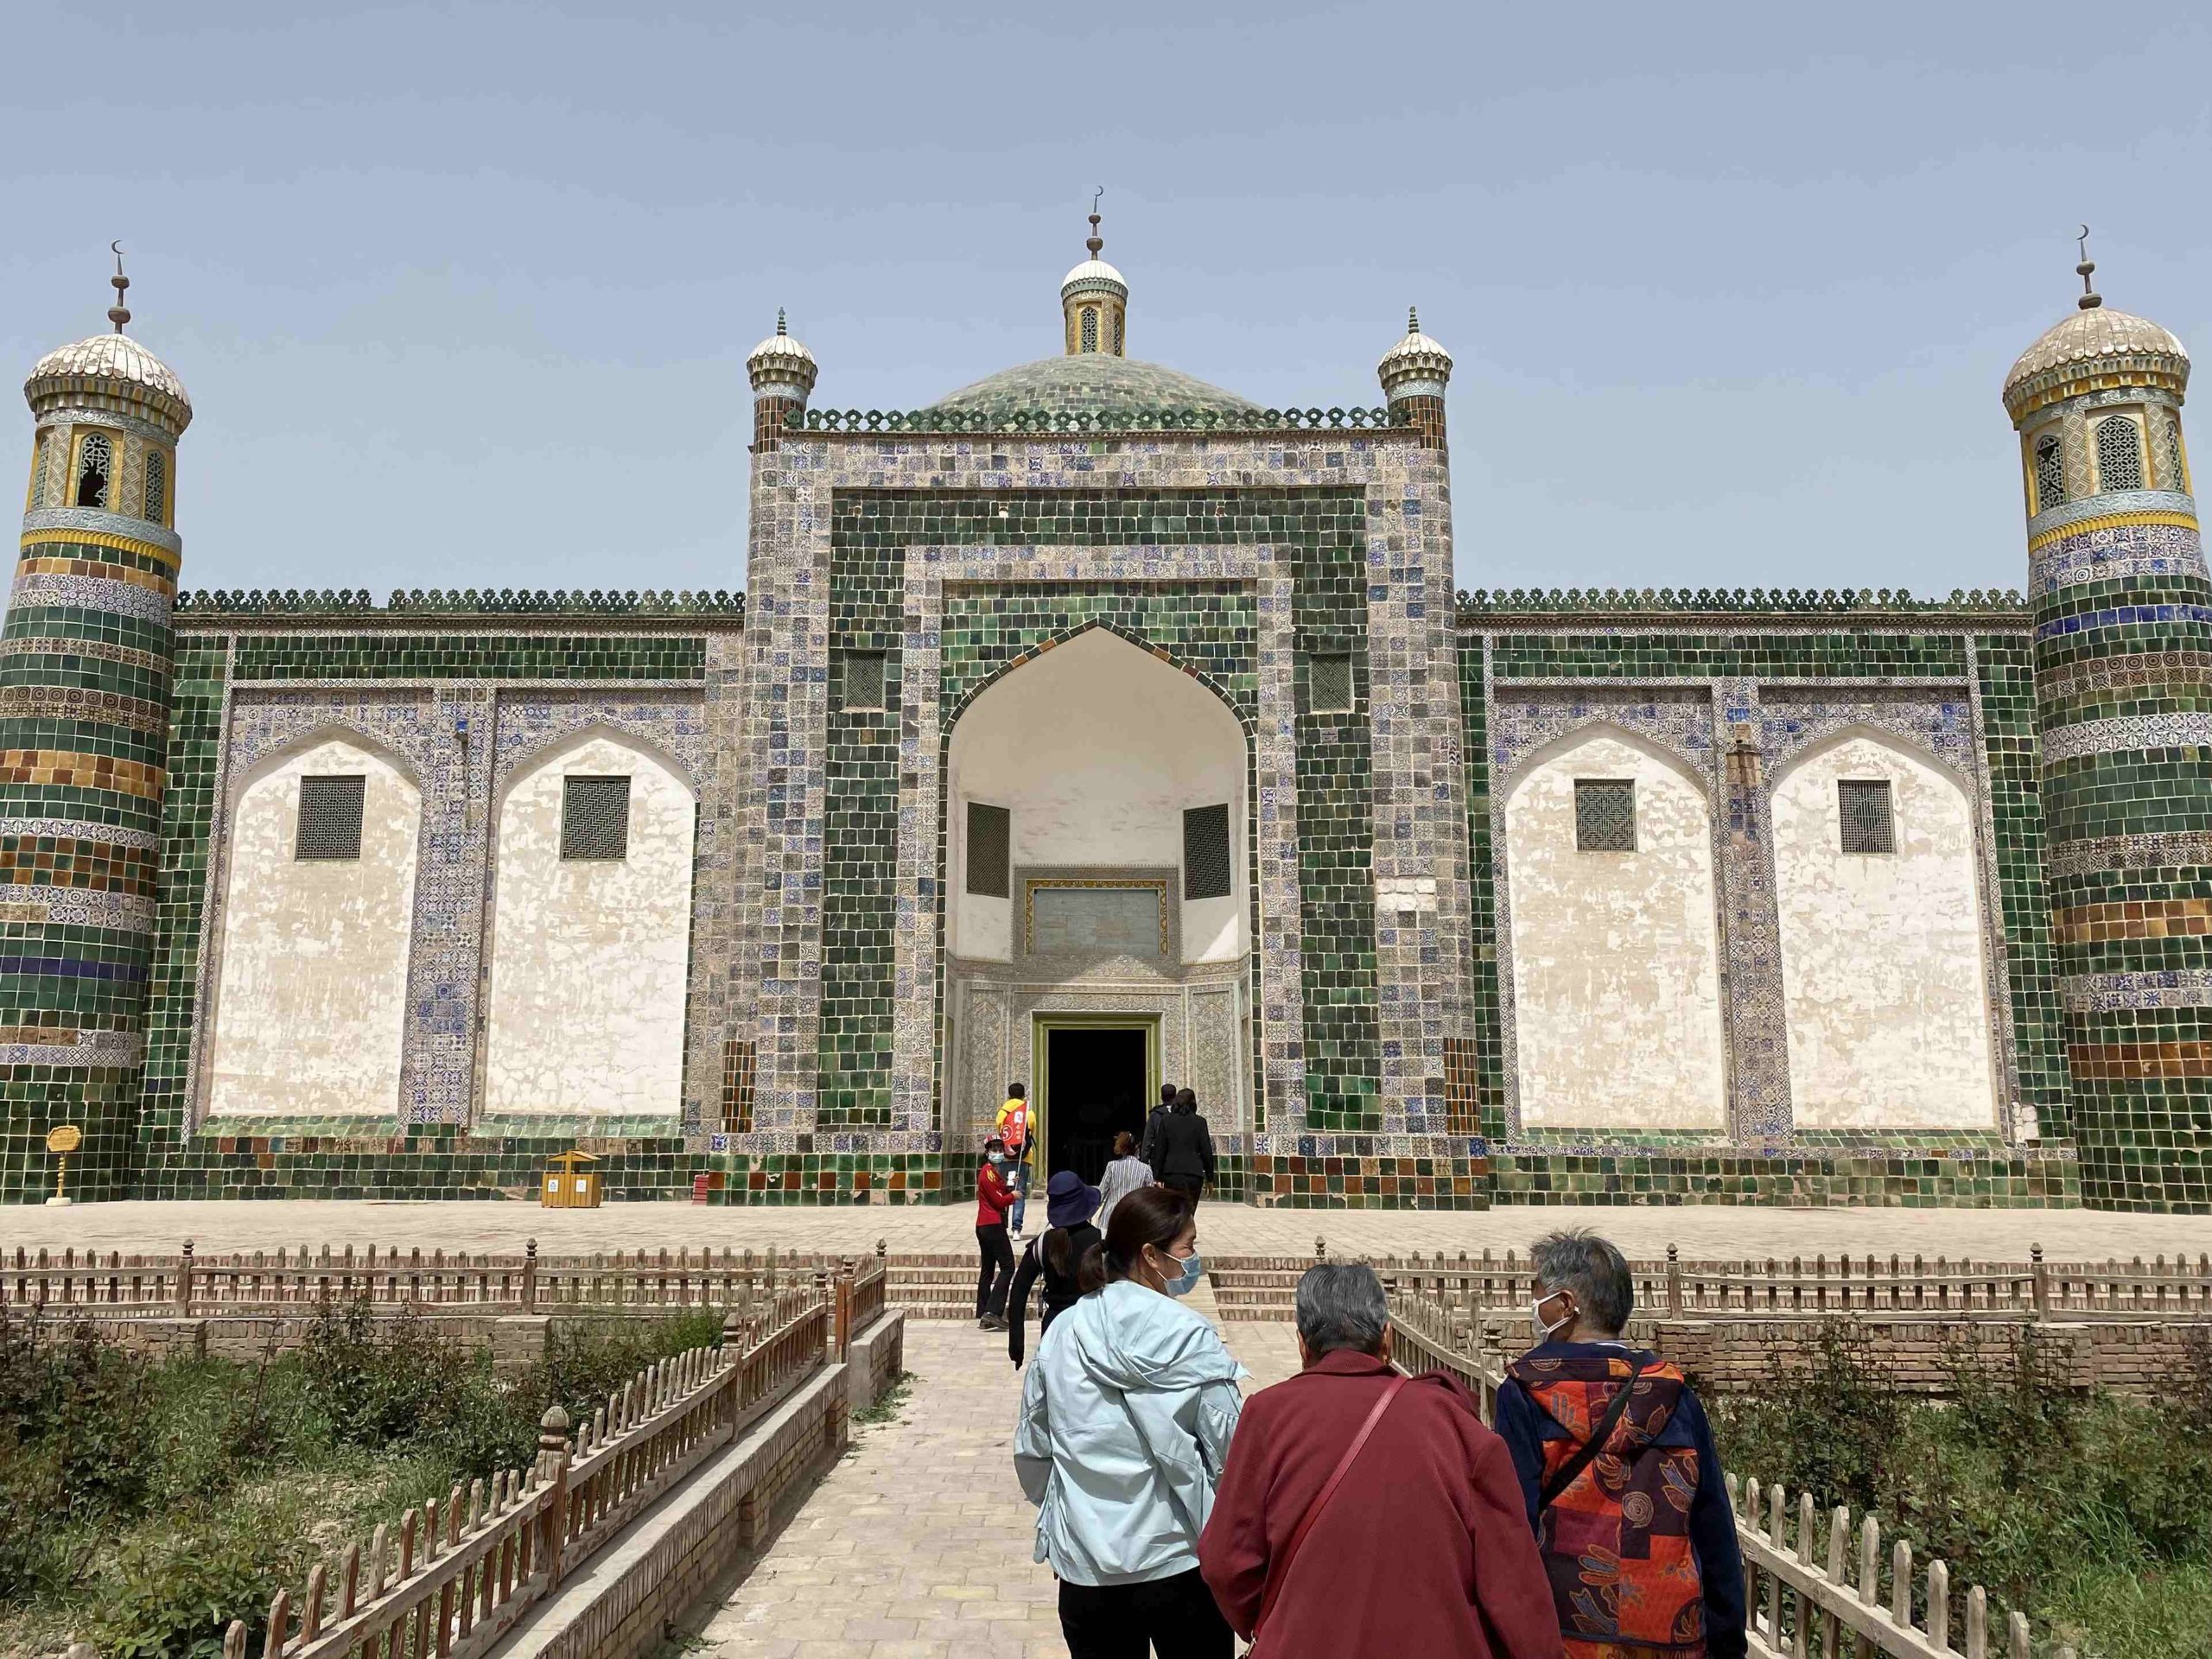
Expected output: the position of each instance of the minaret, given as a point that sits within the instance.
(1414, 373)
(1095, 301)
(84, 668)
(2123, 655)
(782, 371)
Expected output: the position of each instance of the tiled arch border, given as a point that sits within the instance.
(1271, 790)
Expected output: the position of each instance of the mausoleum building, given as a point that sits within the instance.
(1096, 727)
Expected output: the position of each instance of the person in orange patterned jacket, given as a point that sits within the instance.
(1617, 1466)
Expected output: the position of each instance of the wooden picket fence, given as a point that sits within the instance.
(102, 1285)
(1802, 1599)
(2136, 1292)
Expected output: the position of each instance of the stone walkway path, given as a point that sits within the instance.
(918, 1545)
(1703, 1231)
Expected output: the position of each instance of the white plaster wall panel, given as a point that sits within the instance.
(311, 1010)
(1097, 747)
(586, 1009)
(1882, 956)
(1616, 956)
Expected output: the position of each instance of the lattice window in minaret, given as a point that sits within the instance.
(95, 461)
(2050, 472)
(1117, 333)
(157, 484)
(2120, 455)
(2173, 471)
(1090, 329)
(38, 471)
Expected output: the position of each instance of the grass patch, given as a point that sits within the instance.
(145, 1505)
(888, 1404)
(2081, 1509)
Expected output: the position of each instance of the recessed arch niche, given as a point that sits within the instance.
(584, 1013)
(1617, 1018)
(311, 998)
(1884, 968)
(1095, 749)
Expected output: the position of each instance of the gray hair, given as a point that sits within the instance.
(1579, 1261)
(1341, 1305)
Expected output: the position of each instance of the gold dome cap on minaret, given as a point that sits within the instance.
(1414, 359)
(2094, 348)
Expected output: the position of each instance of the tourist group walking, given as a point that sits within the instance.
(1353, 1509)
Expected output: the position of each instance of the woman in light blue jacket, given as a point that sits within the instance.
(1126, 1419)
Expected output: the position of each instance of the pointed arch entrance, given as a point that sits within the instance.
(1098, 906)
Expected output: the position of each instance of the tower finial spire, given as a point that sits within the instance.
(1413, 320)
(119, 314)
(1094, 241)
(779, 319)
(2090, 299)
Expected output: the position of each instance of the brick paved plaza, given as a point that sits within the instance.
(1703, 1231)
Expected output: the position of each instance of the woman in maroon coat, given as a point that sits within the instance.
(1423, 1547)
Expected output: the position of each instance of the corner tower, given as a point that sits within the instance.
(782, 373)
(1414, 374)
(85, 668)
(2123, 655)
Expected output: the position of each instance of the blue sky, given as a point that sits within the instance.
(463, 294)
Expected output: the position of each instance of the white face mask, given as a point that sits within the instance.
(1546, 1327)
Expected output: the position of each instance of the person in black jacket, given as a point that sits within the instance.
(1185, 1161)
(1148, 1142)
(1068, 1206)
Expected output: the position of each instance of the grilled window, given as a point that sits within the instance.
(2170, 464)
(863, 686)
(2050, 474)
(2120, 453)
(1869, 826)
(1090, 329)
(38, 471)
(1329, 683)
(990, 849)
(1604, 815)
(1205, 851)
(157, 486)
(95, 460)
(330, 817)
(1117, 333)
(594, 817)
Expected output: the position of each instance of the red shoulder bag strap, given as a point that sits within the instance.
(1281, 1574)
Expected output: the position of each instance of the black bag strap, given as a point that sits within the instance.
(1567, 1474)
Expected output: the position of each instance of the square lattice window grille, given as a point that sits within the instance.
(330, 817)
(863, 687)
(1869, 822)
(1205, 851)
(990, 850)
(1329, 681)
(1604, 815)
(595, 817)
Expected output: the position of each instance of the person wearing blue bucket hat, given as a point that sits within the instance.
(1070, 1204)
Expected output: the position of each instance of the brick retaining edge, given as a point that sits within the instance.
(625, 1601)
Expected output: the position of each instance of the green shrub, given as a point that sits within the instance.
(174, 1596)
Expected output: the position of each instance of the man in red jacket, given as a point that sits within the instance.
(1420, 1545)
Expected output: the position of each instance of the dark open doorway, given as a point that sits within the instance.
(1098, 1089)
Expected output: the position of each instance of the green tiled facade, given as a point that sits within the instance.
(1360, 1026)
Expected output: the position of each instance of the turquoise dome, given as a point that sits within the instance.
(1087, 384)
